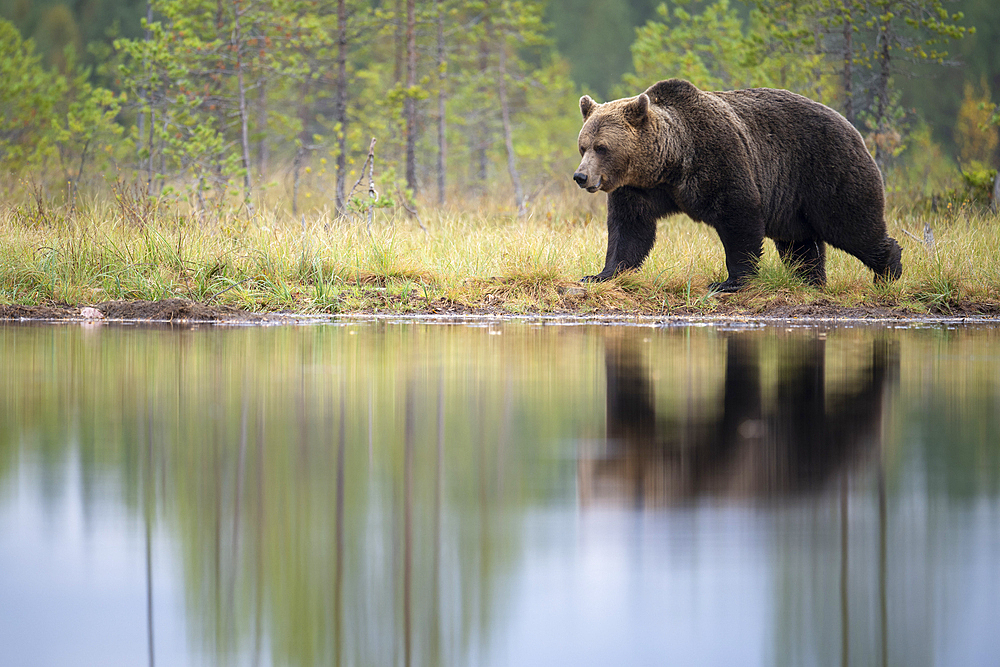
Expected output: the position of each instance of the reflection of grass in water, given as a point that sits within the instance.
(475, 259)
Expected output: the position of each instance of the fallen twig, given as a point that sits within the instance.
(409, 208)
(209, 299)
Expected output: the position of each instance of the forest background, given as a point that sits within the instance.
(207, 102)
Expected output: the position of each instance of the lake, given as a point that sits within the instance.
(499, 493)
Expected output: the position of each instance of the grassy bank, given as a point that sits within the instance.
(126, 248)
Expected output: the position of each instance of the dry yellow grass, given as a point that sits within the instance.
(477, 258)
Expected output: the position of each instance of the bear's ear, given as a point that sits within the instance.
(587, 106)
(636, 110)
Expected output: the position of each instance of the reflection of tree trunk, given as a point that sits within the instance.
(216, 492)
(408, 524)
(371, 427)
(149, 589)
(338, 581)
(485, 548)
(435, 639)
(845, 625)
(149, 503)
(882, 593)
(259, 542)
(238, 499)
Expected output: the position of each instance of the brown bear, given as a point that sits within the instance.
(750, 163)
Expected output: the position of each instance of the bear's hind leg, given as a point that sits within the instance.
(805, 258)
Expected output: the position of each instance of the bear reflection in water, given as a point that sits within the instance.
(794, 436)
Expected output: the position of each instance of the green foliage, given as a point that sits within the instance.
(923, 171)
(187, 76)
(979, 184)
(901, 35)
(717, 49)
(186, 81)
(50, 119)
(28, 96)
(594, 36)
(207, 69)
(84, 127)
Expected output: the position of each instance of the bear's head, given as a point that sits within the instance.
(614, 143)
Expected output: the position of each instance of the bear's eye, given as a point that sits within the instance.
(582, 151)
(600, 149)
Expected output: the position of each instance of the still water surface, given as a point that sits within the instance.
(506, 494)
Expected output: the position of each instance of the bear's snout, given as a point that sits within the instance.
(583, 179)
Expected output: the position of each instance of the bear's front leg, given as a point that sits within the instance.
(743, 248)
(632, 216)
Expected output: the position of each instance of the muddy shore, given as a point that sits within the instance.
(182, 310)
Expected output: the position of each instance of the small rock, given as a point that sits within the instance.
(90, 313)
(572, 291)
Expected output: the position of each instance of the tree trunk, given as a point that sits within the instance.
(410, 102)
(398, 55)
(145, 99)
(442, 76)
(262, 145)
(482, 136)
(237, 42)
(340, 104)
(296, 167)
(507, 135)
(883, 44)
(847, 77)
(162, 152)
(304, 146)
(152, 137)
(996, 192)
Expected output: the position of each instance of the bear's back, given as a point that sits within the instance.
(766, 111)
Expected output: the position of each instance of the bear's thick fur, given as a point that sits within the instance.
(750, 163)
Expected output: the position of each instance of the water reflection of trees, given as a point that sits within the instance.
(333, 498)
(345, 499)
(329, 521)
(753, 440)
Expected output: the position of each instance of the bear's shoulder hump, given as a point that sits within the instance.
(671, 92)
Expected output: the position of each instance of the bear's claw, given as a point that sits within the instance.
(599, 278)
(727, 287)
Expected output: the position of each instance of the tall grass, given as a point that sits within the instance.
(127, 247)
